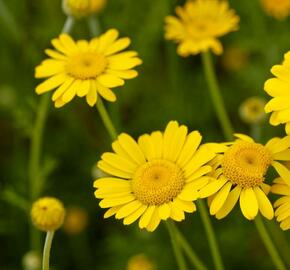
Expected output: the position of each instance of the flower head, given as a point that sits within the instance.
(239, 174)
(279, 89)
(279, 9)
(47, 214)
(82, 8)
(76, 220)
(31, 260)
(155, 178)
(140, 262)
(199, 25)
(252, 110)
(86, 69)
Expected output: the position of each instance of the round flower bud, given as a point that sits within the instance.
(47, 214)
(252, 110)
(140, 262)
(82, 8)
(31, 260)
(76, 220)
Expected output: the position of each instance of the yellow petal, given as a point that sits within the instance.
(177, 143)
(55, 55)
(104, 166)
(134, 216)
(146, 217)
(123, 74)
(107, 39)
(212, 188)
(49, 68)
(111, 182)
(68, 43)
(175, 213)
(249, 203)
(121, 152)
(115, 201)
(123, 63)
(112, 211)
(92, 95)
(188, 194)
(128, 209)
(276, 87)
(285, 225)
(117, 46)
(110, 80)
(154, 222)
(282, 200)
(147, 146)
(170, 130)
(185, 206)
(132, 148)
(220, 198)
(280, 189)
(277, 103)
(229, 203)
(281, 145)
(265, 206)
(164, 211)
(61, 89)
(51, 83)
(83, 88)
(198, 183)
(105, 92)
(198, 173)
(191, 144)
(244, 137)
(284, 155)
(157, 141)
(282, 171)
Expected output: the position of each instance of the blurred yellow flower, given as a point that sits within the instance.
(252, 110)
(31, 260)
(76, 220)
(86, 69)
(82, 8)
(240, 173)
(279, 9)
(278, 88)
(199, 25)
(155, 178)
(140, 262)
(47, 214)
(282, 205)
(234, 59)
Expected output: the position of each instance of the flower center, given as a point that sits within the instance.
(157, 182)
(87, 65)
(245, 164)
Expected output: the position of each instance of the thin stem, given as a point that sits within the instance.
(68, 25)
(106, 119)
(216, 97)
(15, 199)
(196, 262)
(176, 248)
(279, 264)
(210, 236)
(46, 250)
(94, 26)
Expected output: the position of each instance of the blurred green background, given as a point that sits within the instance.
(168, 87)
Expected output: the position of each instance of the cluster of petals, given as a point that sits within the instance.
(86, 68)
(199, 24)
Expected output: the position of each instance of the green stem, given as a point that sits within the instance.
(176, 248)
(68, 25)
(94, 26)
(35, 147)
(196, 262)
(15, 199)
(210, 236)
(106, 119)
(279, 264)
(216, 97)
(46, 250)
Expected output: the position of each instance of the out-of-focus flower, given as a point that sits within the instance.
(76, 220)
(234, 58)
(140, 262)
(82, 8)
(282, 205)
(86, 69)
(156, 178)
(252, 110)
(31, 260)
(47, 214)
(239, 174)
(279, 9)
(199, 25)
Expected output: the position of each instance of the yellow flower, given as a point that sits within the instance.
(200, 24)
(279, 9)
(235, 58)
(47, 214)
(31, 260)
(155, 178)
(282, 212)
(252, 110)
(140, 262)
(82, 8)
(86, 69)
(76, 220)
(278, 88)
(240, 173)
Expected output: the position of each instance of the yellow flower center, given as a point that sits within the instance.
(86, 65)
(245, 164)
(157, 182)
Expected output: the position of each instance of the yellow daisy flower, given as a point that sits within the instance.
(279, 9)
(279, 89)
(82, 8)
(155, 178)
(199, 25)
(239, 174)
(86, 69)
(252, 110)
